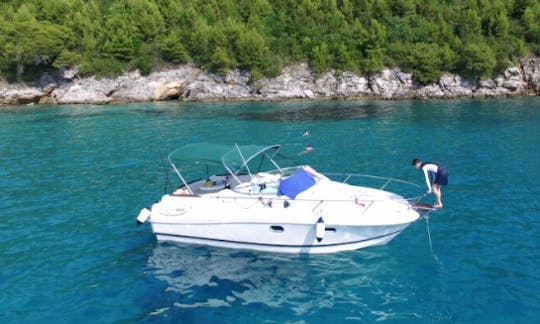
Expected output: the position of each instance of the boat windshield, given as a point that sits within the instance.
(250, 159)
(202, 160)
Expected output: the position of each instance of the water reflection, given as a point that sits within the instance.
(320, 111)
(211, 277)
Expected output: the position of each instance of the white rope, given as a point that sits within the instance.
(429, 234)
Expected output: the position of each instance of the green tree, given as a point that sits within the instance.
(105, 37)
(24, 14)
(199, 41)
(252, 52)
(424, 61)
(221, 60)
(497, 23)
(173, 50)
(372, 46)
(67, 59)
(531, 24)
(31, 43)
(6, 11)
(469, 25)
(120, 45)
(146, 18)
(478, 60)
(319, 58)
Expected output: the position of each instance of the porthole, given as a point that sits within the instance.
(276, 229)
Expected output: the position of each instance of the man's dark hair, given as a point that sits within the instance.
(414, 161)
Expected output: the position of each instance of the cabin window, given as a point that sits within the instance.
(330, 229)
(277, 229)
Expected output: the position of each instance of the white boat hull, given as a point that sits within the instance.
(292, 242)
(301, 227)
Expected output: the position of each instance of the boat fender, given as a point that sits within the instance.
(320, 229)
(143, 215)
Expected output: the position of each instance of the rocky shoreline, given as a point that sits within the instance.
(189, 83)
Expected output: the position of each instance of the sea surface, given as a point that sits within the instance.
(73, 179)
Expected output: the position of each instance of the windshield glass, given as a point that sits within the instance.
(250, 159)
(202, 160)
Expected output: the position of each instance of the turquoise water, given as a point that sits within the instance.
(73, 179)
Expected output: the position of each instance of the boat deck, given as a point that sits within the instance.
(215, 184)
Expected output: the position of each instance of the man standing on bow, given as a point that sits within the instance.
(436, 176)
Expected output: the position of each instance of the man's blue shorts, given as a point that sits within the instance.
(441, 178)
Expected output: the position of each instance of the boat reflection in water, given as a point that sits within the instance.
(208, 277)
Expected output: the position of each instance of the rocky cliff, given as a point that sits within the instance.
(295, 82)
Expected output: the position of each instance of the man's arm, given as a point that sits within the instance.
(428, 180)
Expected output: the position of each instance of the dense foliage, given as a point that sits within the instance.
(425, 37)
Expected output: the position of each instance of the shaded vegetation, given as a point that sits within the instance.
(424, 37)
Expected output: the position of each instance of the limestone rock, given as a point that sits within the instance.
(513, 80)
(85, 91)
(455, 86)
(297, 81)
(20, 95)
(351, 85)
(327, 85)
(392, 84)
(430, 91)
(531, 73)
(215, 87)
(167, 91)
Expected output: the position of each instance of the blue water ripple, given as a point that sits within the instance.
(73, 179)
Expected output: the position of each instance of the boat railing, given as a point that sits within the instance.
(412, 192)
(404, 190)
(356, 179)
